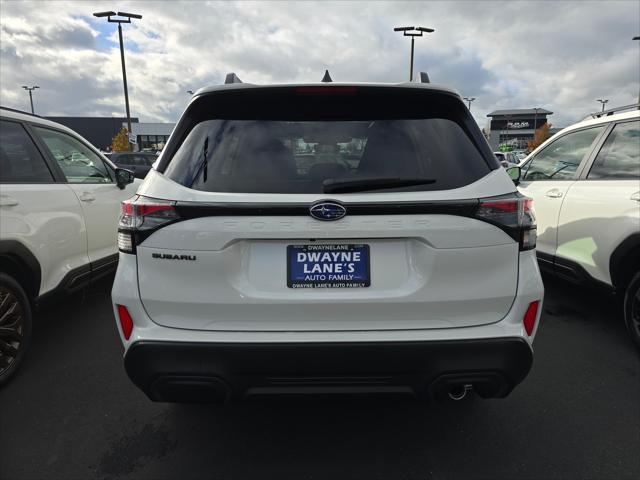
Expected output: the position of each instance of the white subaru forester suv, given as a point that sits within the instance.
(59, 205)
(327, 238)
(585, 182)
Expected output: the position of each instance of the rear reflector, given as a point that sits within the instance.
(529, 320)
(126, 322)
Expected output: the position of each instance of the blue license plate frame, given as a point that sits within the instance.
(348, 265)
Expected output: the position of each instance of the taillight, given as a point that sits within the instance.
(529, 320)
(126, 322)
(141, 216)
(514, 215)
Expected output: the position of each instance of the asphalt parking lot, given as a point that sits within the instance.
(72, 413)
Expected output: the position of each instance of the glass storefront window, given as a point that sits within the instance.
(152, 142)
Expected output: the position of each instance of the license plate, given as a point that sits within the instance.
(328, 266)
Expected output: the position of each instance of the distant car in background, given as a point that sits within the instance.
(520, 154)
(138, 162)
(506, 159)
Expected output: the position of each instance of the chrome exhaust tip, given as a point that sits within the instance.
(458, 392)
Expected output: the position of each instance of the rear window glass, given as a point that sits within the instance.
(304, 155)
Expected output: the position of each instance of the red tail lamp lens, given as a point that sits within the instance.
(126, 322)
(529, 319)
(509, 206)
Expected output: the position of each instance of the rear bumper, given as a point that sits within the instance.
(217, 372)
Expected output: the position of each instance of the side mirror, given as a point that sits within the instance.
(124, 177)
(514, 174)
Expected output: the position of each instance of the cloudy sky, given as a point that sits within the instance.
(561, 56)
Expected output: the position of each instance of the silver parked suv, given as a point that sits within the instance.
(327, 237)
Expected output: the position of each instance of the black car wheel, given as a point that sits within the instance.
(632, 309)
(15, 326)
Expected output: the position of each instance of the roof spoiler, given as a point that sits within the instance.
(231, 78)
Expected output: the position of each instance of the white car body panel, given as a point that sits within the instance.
(419, 263)
(101, 209)
(52, 229)
(530, 289)
(548, 197)
(596, 216)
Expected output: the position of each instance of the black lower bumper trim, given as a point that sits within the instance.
(214, 372)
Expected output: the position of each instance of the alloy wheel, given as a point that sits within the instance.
(635, 312)
(11, 328)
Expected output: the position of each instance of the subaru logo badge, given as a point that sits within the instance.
(327, 211)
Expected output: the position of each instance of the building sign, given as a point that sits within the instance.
(519, 124)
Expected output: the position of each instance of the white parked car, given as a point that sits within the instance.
(401, 259)
(585, 181)
(59, 205)
(506, 159)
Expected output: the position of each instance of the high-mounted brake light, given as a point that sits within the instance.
(514, 215)
(141, 216)
(328, 90)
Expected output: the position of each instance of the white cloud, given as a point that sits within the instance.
(558, 55)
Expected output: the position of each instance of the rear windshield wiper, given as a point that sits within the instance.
(367, 184)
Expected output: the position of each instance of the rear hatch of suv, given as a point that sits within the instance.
(326, 208)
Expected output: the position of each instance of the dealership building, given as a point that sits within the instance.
(101, 130)
(515, 127)
(151, 136)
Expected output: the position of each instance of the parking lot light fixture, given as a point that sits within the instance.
(603, 102)
(30, 90)
(413, 32)
(469, 100)
(190, 92)
(120, 18)
(637, 37)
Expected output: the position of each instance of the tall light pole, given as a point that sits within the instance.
(413, 32)
(637, 38)
(469, 100)
(603, 102)
(120, 21)
(30, 90)
(535, 119)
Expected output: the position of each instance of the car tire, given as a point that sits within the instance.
(632, 308)
(15, 326)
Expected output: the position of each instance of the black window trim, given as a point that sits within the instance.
(53, 169)
(596, 151)
(583, 163)
(111, 167)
